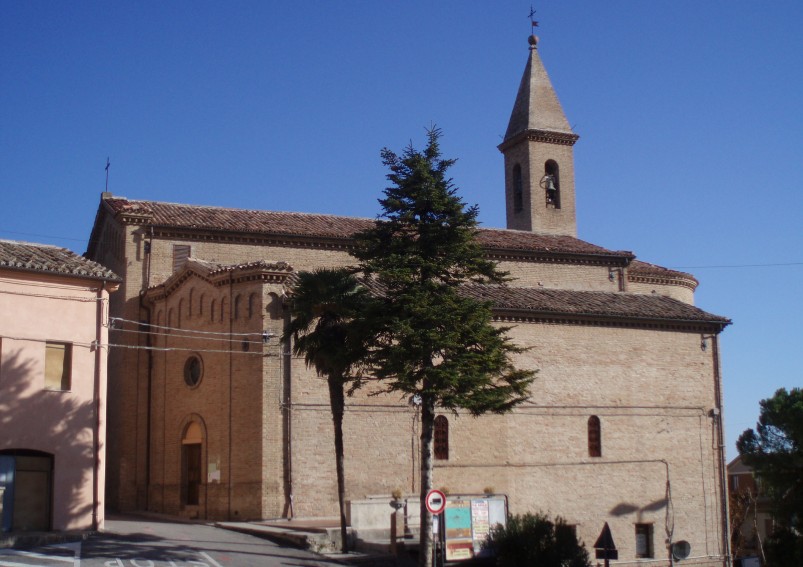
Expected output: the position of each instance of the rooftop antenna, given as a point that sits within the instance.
(108, 164)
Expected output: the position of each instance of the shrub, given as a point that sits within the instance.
(534, 539)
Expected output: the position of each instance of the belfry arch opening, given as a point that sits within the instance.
(550, 183)
(518, 189)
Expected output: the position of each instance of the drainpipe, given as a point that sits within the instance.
(96, 404)
(719, 419)
(231, 378)
(285, 353)
(149, 370)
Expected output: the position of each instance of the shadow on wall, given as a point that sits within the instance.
(41, 426)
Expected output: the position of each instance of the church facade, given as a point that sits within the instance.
(211, 417)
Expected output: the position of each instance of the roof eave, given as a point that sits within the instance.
(713, 325)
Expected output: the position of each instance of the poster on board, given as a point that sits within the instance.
(457, 517)
(468, 522)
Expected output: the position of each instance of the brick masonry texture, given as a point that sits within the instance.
(267, 427)
(610, 336)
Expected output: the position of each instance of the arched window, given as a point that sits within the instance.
(237, 307)
(212, 310)
(178, 313)
(518, 189)
(157, 331)
(223, 309)
(252, 304)
(441, 438)
(201, 306)
(551, 183)
(189, 303)
(274, 307)
(169, 320)
(594, 437)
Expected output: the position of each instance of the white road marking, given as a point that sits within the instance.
(75, 548)
(212, 561)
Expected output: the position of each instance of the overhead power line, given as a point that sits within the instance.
(738, 266)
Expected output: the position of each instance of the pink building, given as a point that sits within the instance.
(53, 314)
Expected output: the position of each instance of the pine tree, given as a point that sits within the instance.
(433, 341)
(775, 451)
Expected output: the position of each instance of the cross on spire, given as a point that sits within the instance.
(108, 164)
(533, 21)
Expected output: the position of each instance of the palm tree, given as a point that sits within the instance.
(325, 329)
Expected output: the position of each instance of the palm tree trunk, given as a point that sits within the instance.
(427, 433)
(337, 403)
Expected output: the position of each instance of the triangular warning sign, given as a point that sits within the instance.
(605, 539)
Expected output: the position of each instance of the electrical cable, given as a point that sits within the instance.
(234, 338)
(152, 326)
(46, 296)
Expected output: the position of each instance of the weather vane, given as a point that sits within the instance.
(533, 21)
(108, 164)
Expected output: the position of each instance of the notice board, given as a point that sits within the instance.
(467, 524)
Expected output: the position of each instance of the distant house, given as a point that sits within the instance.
(750, 513)
(53, 313)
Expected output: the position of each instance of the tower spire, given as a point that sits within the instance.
(539, 162)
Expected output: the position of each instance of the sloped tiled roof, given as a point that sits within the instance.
(45, 258)
(215, 271)
(330, 226)
(592, 304)
(574, 304)
(637, 267)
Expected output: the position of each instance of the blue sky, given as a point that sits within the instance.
(690, 116)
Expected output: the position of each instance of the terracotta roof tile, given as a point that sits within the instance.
(45, 258)
(591, 303)
(637, 267)
(330, 226)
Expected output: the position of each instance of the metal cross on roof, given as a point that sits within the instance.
(532, 20)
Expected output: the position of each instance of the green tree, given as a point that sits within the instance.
(434, 341)
(326, 329)
(775, 451)
(534, 539)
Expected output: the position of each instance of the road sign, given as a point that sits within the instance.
(605, 547)
(436, 501)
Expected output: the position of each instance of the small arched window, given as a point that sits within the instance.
(237, 307)
(223, 310)
(551, 183)
(201, 305)
(441, 438)
(189, 303)
(518, 189)
(274, 307)
(212, 310)
(252, 304)
(178, 313)
(594, 437)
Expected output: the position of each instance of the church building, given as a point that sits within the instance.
(211, 417)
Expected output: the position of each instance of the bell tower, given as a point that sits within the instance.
(539, 157)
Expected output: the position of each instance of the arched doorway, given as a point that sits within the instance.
(191, 464)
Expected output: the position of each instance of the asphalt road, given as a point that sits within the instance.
(136, 542)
